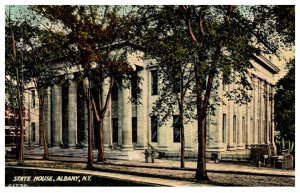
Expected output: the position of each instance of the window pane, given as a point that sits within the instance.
(33, 98)
(224, 129)
(176, 129)
(33, 130)
(114, 92)
(154, 82)
(134, 129)
(234, 129)
(154, 129)
(115, 129)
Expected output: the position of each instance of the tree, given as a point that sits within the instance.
(14, 36)
(170, 50)
(96, 36)
(282, 30)
(223, 40)
(284, 107)
(42, 69)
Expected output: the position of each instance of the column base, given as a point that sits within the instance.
(107, 147)
(72, 145)
(231, 148)
(248, 146)
(216, 147)
(162, 148)
(240, 146)
(127, 148)
(140, 147)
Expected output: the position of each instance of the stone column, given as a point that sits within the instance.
(261, 115)
(120, 115)
(261, 112)
(72, 112)
(267, 136)
(229, 127)
(216, 129)
(107, 126)
(255, 111)
(57, 115)
(248, 122)
(240, 131)
(273, 146)
(142, 110)
(126, 120)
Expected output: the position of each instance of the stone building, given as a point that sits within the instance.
(130, 128)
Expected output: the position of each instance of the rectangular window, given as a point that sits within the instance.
(154, 82)
(134, 86)
(115, 129)
(32, 98)
(33, 131)
(134, 129)
(234, 128)
(154, 126)
(176, 129)
(114, 92)
(224, 129)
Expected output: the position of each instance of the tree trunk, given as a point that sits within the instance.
(201, 174)
(20, 104)
(21, 140)
(42, 100)
(101, 146)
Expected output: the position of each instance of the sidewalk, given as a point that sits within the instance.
(237, 168)
(210, 166)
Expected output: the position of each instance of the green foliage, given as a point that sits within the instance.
(284, 106)
(96, 35)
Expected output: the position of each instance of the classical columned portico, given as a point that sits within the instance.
(72, 112)
(255, 111)
(57, 114)
(240, 112)
(248, 122)
(107, 125)
(216, 129)
(273, 146)
(266, 98)
(142, 109)
(261, 113)
(230, 141)
(126, 109)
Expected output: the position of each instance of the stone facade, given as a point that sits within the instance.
(129, 127)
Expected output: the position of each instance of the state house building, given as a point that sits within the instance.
(130, 128)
